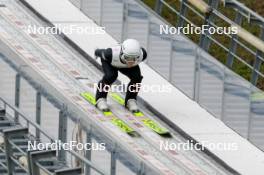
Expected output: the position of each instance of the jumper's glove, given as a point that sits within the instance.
(97, 53)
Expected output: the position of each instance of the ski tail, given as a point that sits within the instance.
(114, 120)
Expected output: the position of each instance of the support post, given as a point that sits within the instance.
(183, 10)
(38, 113)
(62, 131)
(258, 61)
(233, 44)
(113, 161)
(88, 153)
(209, 17)
(141, 170)
(17, 95)
(158, 6)
(196, 90)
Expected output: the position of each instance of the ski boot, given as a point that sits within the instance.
(132, 105)
(102, 105)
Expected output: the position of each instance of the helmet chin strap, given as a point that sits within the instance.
(123, 60)
(121, 55)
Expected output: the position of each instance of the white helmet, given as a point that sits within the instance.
(131, 50)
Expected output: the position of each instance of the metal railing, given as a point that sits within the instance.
(18, 114)
(208, 13)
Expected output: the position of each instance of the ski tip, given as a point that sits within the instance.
(166, 135)
(138, 113)
(134, 134)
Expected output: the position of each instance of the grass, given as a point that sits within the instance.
(214, 49)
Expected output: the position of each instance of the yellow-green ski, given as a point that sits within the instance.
(145, 120)
(115, 120)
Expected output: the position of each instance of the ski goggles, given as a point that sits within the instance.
(129, 58)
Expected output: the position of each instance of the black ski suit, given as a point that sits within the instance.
(111, 73)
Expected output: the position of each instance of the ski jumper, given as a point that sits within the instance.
(112, 63)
